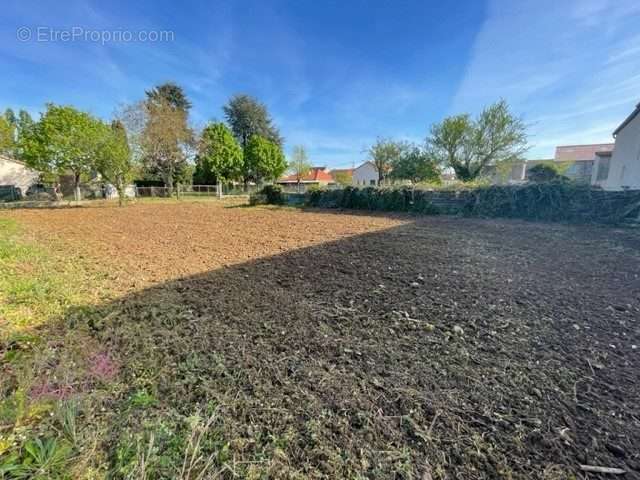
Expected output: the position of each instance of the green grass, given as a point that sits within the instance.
(35, 286)
(64, 410)
(39, 287)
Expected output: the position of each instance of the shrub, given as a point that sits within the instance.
(323, 198)
(398, 199)
(554, 200)
(314, 195)
(257, 199)
(543, 172)
(274, 194)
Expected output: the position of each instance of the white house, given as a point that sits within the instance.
(17, 174)
(365, 174)
(621, 169)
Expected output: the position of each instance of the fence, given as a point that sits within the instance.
(240, 189)
(304, 187)
(152, 192)
(196, 191)
(89, 192)
(212, 190)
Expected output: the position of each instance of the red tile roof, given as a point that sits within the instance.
(569, 153)
(316, 174)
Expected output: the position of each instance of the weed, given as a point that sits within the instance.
(103, 367)
(67, 414)
(142, 399)
(10, 466)
(41, 459)
(42, 365)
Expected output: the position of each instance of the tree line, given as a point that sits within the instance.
(461, 143)
(154, 139)
(151, 138)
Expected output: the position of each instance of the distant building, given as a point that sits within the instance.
(15, 173)
(319, 176)
(365, 174)
(577, 162)
(580, 159)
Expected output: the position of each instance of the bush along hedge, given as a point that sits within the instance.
(400, 199)
(556, 200)
(273, 194)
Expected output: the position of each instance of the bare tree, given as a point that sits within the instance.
(299, 165)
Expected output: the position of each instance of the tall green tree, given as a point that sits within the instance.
(384, 153)
(113, 160)
(23, 126)
(299, 165)
(219, 155)
(247, 117)
(7, 137)
(469, 145)
(24, 121)
(170, 93)
(10, 116)
(9, 133)
(64, 140)
(415, 164)
(264, 159)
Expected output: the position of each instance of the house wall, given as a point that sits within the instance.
(601, 169)
(365, 174)
(17, 174)
(579, 170)
(624, 170)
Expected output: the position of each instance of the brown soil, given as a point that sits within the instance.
(357, 346)
(154, 242)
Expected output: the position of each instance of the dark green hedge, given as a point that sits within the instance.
(401, 199)
(558, 200)
(274, 194)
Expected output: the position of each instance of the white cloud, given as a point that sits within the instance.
(570, 67)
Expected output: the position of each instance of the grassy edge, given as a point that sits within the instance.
(64, 410)
(41, 363)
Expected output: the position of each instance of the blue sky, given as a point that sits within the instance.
(336, 74)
